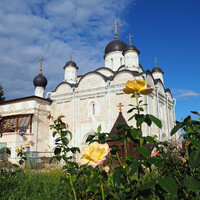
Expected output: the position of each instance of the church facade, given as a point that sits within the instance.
(86, 102)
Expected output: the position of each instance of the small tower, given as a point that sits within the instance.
(131, 56)
(70, 71)
(40, 82)
(157, 72)
(113, 52)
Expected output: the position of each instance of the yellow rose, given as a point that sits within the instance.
(106, 168)
(187, 143)
(95, 154)
(184, 159)
(25, 144)
(18, 149)
(138, 85)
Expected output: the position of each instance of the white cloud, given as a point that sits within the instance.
(35, 28)
(184, 94)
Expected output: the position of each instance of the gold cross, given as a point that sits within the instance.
(156, 61)
(115, 26)
(129, 37)
(120, 107)
(41, 59)
(71, 55)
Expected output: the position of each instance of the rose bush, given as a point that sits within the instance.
(164, 172)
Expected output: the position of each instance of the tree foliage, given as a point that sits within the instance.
(1, 94)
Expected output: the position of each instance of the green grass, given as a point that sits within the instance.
(33, 186)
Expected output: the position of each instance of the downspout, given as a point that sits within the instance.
(147, 102)
(168, 122)
(174, 103)
(73, 138)
(109, 111)
(158, 111)
(48, 93)
(36, 144)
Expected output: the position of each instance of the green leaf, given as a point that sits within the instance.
(155, 161)
(57, 150)
(54, 133)
(131, 158)
(194, 158)
(70, 133)
(143, 150)
(135, 133)
(99, 129)
(147, 185)
(131, 110)
(94, 179)
(155, 121)
(21, 162)
(169, 184)
(192, 184)
(117, 177)
(50, 161)
(65, 141)
(150, 139)
(75, 149)
(148, 120)
(131, 117)
(196, 113)
(176, 128)
(15, 165)
(195, 143)
(140, 120)
(140, 109)
(58, 157)
(89, 138)
(133, 169)
(63, 133)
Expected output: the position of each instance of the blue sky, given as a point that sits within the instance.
(166, 29)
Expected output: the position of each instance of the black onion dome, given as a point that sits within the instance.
(157, 69)
(131, 48)
(40, 81)
(71, 63)
(115, 45)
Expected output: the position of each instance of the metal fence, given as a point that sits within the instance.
(3, 146)
(36, 160)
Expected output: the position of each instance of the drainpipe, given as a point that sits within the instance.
(147, 102)
(48, 93)
(109, 111)
(174, 103)
(168, 121)
(73, 138)
(36, 143)
(158, 110)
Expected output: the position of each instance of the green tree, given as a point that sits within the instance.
(1, 94)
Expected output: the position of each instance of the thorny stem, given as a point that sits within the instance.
(125, 147)
(70, 176)
(110, 191)
(102, 191)
(119, 159)
(122, 165)
(186, 194)
(137, 102)
(140, 137)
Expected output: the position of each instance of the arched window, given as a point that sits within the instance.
(92, 108)
(111, 62)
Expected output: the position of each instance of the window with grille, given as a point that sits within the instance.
(17, 123)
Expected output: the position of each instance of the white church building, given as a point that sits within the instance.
(86, 102)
